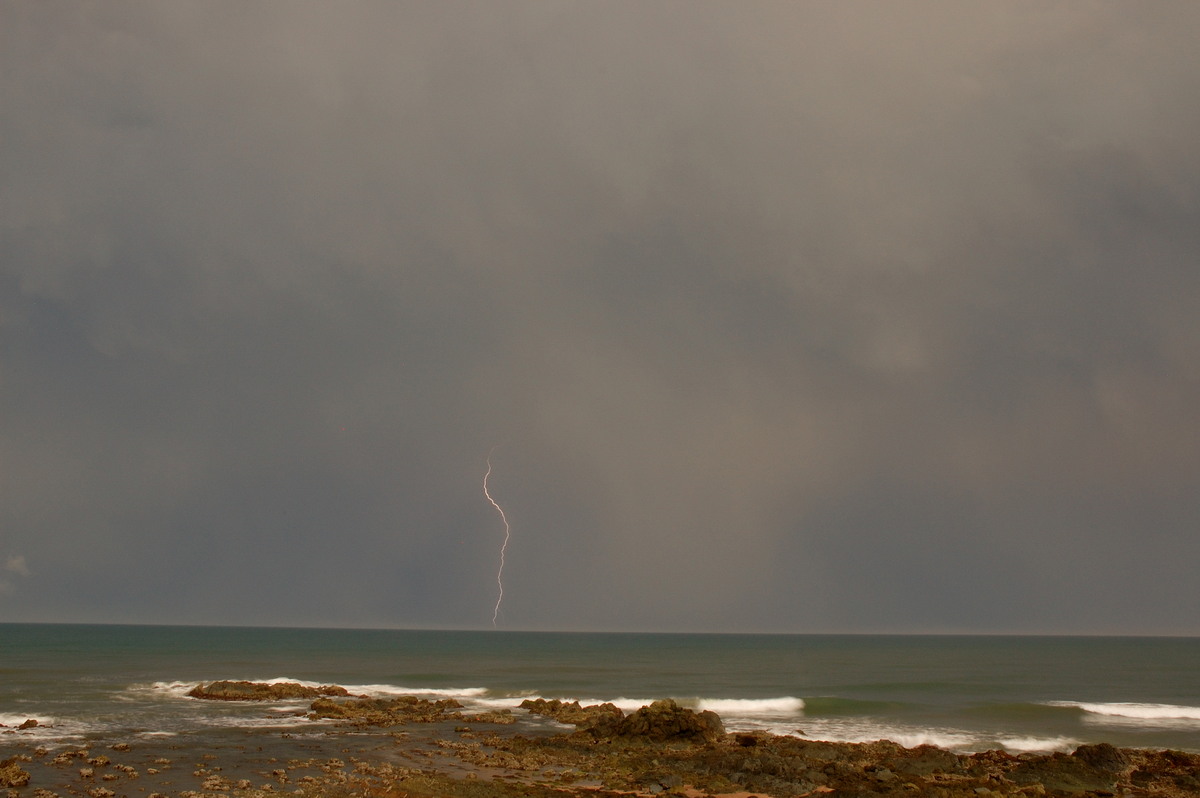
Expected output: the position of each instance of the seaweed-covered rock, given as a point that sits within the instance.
(386, 712)
(260, 691)
(11, 775)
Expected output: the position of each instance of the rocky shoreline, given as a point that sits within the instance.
(408, 746)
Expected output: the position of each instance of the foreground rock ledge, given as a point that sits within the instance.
(664, 751)
(660, 750)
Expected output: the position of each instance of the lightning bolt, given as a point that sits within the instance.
(504, 546)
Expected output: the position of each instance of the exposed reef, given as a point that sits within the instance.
(262, 691)
(386, 748)
(386, 711)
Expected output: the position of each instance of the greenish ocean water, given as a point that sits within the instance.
(966, 693)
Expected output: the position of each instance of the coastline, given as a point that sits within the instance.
(424, 748)
(964, 694)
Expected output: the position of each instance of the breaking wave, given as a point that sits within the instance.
(11, 721)
(1133, 711)
(179, 689)
(1148, 711)
(1023, 745)
(786, 705)
(437, 692)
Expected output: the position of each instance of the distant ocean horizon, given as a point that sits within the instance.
(961, 692)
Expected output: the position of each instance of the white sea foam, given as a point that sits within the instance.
(494, 703)
(12, 721)
(1146, 711)
(865, 730)
(276, 722)
(50, 731)
(786, 705)
(731, 707)
(911, 738)
(173, 689)
(1023, 745)
(622, 703)
(440, 692)
(178, 689)
(386, 689)
(1135, 714)
(949, 739)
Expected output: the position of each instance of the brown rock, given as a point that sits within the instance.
(28, 724)
(386, 712)
(665, 720)
(1102, 756)
(924, 760)
(11, 774)
(1063, 773)
(259, 691)
(590, 716)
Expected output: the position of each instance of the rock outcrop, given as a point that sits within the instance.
(260, 691)
(386, 711)
(666, 721)
(765, 764)
(572, 712)
(661, 721)
(11, 774)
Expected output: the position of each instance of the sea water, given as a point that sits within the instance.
(964, 693)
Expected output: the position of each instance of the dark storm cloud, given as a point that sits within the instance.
(866, 317)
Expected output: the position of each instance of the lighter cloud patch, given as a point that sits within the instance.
(897, 351)
(15, 563)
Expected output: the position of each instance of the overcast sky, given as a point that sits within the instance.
(795, 317)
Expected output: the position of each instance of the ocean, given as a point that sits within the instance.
(87, 684)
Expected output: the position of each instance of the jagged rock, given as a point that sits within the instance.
(661, 720)
(11, 775)
(924, 760)
(665, 720)
(28, 724)
(573, 713)
(1064, 773)
(386, 712)
(259, 691)
(1102, 756)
